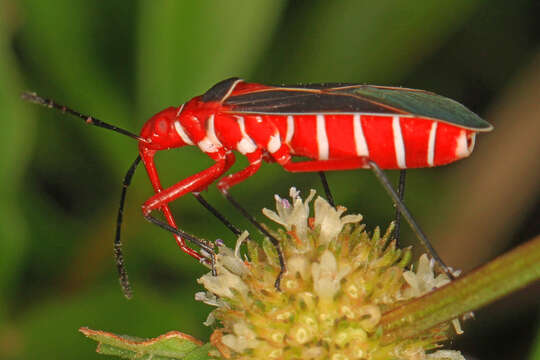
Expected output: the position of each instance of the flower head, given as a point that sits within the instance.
(339, 281)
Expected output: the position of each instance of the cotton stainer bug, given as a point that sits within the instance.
(335, 126)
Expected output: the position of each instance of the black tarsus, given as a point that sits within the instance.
(118, 255)
(327, 191)
(265, 232)
(401, 195)
(383, 179)
(208, 248)
(36, 99)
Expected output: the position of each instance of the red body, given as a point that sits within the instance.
(331, 140)
(392, 141)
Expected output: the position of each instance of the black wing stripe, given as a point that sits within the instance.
(290, 101)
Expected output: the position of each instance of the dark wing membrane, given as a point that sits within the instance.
(295, 100)
(218, 91)
(339, 98)
(423, 103)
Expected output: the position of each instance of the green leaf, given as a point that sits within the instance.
(172, 345)
(15, 145)
(371, 41)
(185, 47)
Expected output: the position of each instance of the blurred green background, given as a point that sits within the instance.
(123, 61)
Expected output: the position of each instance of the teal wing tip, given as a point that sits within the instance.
(481, 125)
(487, 127)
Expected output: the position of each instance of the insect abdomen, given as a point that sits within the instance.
(393, 141)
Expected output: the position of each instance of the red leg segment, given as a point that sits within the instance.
(193, 183)
(255, 160)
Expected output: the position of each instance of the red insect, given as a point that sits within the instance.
(336, 126)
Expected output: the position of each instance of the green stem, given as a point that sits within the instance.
(482, 286)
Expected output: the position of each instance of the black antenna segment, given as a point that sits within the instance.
(36, 99)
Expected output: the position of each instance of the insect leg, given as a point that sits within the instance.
(229, 160)
(217, 214)
(163, 197)
(118, 255)
(265, 232)
(255, 159)
(408, 217)
(329, 196)
(209, 252)
(401, 194)
(347, 164)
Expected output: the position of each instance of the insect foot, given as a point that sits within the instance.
(339, 283)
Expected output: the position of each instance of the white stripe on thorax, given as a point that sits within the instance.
(399, 147)
(431, 144)
(359, 138)
(182, 133)
(290, 129)
(246, 144)
(207, 146)
(211, 131)
(322, 137)
(274, 143)
(180, 110)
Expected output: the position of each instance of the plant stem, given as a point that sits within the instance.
(507, 273)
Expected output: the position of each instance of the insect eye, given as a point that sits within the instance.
(162, 126)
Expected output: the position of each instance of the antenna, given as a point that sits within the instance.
(36, 99)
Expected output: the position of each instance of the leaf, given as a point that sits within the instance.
(184, 47)
(362, 41)
(172, 345)
(15, 144)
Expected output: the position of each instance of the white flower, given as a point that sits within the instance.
(230, 269)
(209, 298)
(326, 275)
(330, 221)
(243, 338)
(327, 218)
(445, 355)
(424, 280)
(223, 284)
(292, 216)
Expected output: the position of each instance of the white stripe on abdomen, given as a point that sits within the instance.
(399, 147)
(359, 138)
(290, 129)
(431, 144)
(322, 137)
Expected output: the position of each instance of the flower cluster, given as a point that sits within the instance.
(338, 283)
